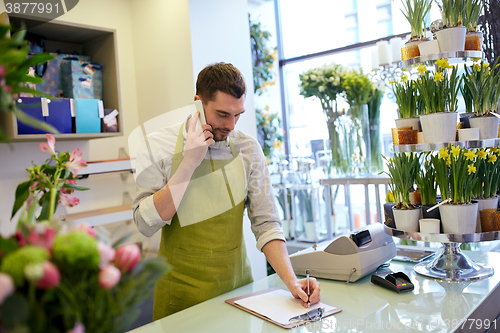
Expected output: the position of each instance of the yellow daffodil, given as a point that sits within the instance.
(494, 149)
(492, 158)
(438, 77)
(470, 155)
(443, 153)
(443, 63)
(455, 150)
(391, 82)
(448, 161)
(482, 154)
(422, 68)
(477, 67)
(277, 144)
(471, 168)
(404, 78)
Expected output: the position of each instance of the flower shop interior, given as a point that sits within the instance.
(341, 96)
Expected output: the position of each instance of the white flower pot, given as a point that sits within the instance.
(451, 39)
(439, 127)
(430, 47)
(484, 204)
(459, 219)
(488, 126)
(406, 219)
(430, 226)
(468, 134)
(414, 122)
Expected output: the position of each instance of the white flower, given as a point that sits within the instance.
(306, 77)
(321, 88)
(337, 81)
(313, 77)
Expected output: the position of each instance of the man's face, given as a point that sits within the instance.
(222, 113)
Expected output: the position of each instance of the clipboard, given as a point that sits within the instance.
(290, 325)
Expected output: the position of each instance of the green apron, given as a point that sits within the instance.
(204, 242)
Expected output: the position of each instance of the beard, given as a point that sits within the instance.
(218, 136)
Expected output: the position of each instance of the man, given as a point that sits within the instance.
(204, 178)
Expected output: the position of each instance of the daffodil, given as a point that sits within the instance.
(443, 63)
(471, 168)
(477, 67)
(492, 158)
(494, 149)
(470, 155)
(448, 160)
(404, 78)
(422, 68)
(391, 82)
(455, 150)
(277, 144)
(482, 154)
(443, 153)
(438, 77)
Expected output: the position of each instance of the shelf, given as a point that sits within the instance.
(437, 146)
(443, 238)
(101, 216)
(453, 58)
(108, 166)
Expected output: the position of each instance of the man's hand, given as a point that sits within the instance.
(197, 141)
(299, 290)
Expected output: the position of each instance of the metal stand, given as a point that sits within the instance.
(453, 265)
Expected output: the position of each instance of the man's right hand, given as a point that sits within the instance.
(197, 141)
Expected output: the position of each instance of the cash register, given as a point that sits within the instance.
(348, 257)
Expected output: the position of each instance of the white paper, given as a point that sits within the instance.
(45, 107)
(279, 305)
(72, 107)
(101, 108)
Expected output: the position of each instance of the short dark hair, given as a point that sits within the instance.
(222, 77)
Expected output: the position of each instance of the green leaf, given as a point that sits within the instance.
(22, 193)
(24, 118)
(15, 311)
(44, 214)
(76, 187)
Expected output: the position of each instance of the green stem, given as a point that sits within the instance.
(53, 193)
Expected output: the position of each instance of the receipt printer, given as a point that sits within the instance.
(347, 258)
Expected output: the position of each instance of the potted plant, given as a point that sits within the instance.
(426, 182)
(484, 91)
(402, 169)
(406, 98)
(487, 170)
(473, 38)
(357, 90)
(452, 36)
(459, 214)
(415, 12)
(438, 91)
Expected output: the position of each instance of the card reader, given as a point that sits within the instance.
(398, 282)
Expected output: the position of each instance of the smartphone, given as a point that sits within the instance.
(199, 107)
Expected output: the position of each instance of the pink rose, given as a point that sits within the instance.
(42, 236)
(79, 328)
(50, 278)
(6, 286)
(85, 228)
(106, 254)
(127, 256)
(109, 276)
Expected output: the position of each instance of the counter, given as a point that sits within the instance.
(432, 307)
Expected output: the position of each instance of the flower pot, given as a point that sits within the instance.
(414, 122)
(451, 39)
(439, 127)
(490, 220)
(406, 219)
(395, 134)
(459, 219)
(389, 215)
(468, 134)
(430, 226)
(407, 137)
(489, 203)
(433, 214)
(410, 50)
(464, 118)
(429, 47)
(474, 41)
(488, 126)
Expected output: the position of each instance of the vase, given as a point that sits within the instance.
(459, 219)
(451, 39)
(406, 219)
(439, 127)
(488, 126)
(429, 47)
(376, 161)
(488, 203)
(414, 122)
(474, 41)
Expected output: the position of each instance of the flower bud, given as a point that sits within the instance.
(127, 256)
(79, 328)
(106, 254)
(33, 271)
(109, 276)
(50, 278)
(6, 286)
(85, 228)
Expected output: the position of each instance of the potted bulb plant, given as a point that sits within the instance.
(426, 182)
(452, 36)
(415, 12)
(473, 38)
(406, 98)
(402, 168)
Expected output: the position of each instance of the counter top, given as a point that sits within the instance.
(433, 306)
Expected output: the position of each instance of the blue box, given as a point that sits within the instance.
(87, 118)
(60, 115)
(32, 106)
(51, 78)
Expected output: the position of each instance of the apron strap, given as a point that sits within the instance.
(177, 159)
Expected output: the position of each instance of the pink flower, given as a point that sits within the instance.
(68, 190)
(76, 162)
(50, 278)
(2, 71)
(109, 276)
(79, 328)
(127, 256)
(106, 253)
(21, 240)
(85, 228)
(50, 146)
(42, 236)
(68, 200)
(6, 286)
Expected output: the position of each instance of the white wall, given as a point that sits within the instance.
(220, 32)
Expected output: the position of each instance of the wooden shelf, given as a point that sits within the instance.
(101, 216)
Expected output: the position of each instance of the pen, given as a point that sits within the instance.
(308, 294)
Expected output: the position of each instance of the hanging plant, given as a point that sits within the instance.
(263, 58)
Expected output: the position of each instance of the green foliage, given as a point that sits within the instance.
(76, 250)
(488, 172)
(15, 262)
(14, 69)
(482, 89)
(403, 169)
(357, 87)
(263, 57)
(415, 12)
(406, 97)
(472, 11)
(453, 12)
(426, 180)
(270, 133)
